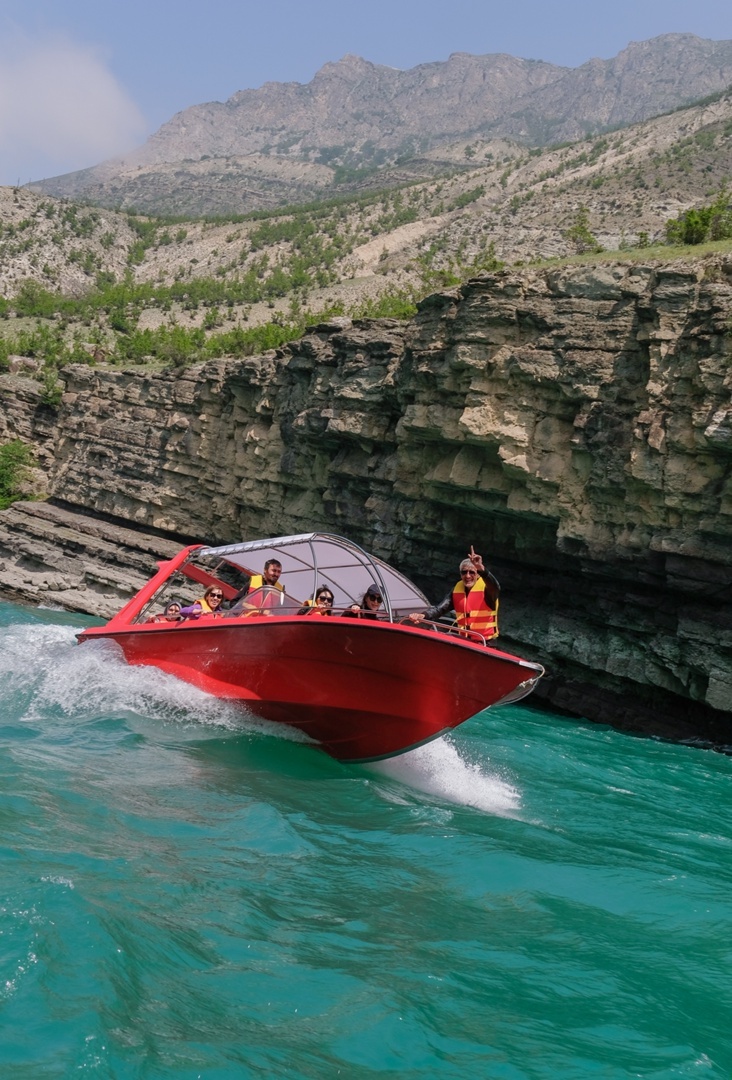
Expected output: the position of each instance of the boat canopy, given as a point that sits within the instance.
(313, 559)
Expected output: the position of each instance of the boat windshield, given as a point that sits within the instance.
(264, 600)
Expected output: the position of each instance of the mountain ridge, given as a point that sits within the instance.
(511, 204)
(356, 117)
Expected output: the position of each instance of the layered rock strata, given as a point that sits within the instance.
(574, 424)
(61, 557)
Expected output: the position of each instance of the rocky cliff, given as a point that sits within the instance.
(574, 424)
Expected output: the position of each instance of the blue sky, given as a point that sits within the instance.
(82, 80)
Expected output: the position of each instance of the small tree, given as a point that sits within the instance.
(579, 234)
(52, 391)
(15, 457)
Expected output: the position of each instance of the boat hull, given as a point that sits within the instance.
(362, 690)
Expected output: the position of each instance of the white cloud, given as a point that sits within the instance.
(60, 109)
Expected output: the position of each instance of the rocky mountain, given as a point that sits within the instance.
(356, 123)
(512, 205)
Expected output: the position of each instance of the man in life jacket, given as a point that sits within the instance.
(260, 589)
(474, 599)
(270, 576)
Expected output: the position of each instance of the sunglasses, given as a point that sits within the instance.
(464, 572)
(216, 596)
(325, 599)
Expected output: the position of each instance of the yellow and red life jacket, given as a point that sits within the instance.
(258, 581)
(473, 611)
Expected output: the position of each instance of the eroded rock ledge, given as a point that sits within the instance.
(575, 425)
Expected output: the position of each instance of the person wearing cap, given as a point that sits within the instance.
(474, 599)
(369, 607)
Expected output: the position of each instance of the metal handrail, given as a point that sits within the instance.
(442, 628)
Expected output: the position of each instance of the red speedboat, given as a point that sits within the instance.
(363, 688)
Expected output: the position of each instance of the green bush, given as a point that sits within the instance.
(52, 391)
(467, 197)
(33, 300)
(15, 457)
(702, 224)
(398, 305)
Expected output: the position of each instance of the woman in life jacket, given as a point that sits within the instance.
(209, 604)
(369, 607)
(320, 604)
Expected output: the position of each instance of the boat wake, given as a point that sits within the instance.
(47, 676)
(438, 769)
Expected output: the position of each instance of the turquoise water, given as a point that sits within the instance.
(185, 894)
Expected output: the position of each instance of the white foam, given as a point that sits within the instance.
(57, 675)
(438, 769)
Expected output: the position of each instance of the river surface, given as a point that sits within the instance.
(184, 893)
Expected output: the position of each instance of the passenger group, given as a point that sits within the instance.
(474, 599)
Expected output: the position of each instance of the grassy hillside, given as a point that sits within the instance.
(79, 282)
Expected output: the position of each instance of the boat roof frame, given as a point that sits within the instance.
(381, 571)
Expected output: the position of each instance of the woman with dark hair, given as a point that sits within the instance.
(209, 604)
(370, 604)
(320, 604)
